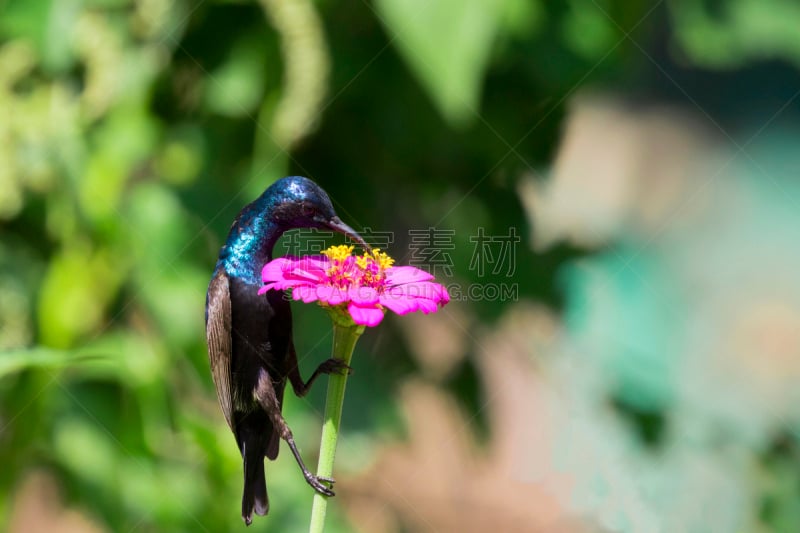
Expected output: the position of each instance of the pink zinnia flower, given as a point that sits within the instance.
(365, 286)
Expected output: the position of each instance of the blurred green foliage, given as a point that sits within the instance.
(692, 337)
(133, 131)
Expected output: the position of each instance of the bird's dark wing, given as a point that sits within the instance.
(218, 336)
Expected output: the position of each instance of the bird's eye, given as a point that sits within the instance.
(307, 210)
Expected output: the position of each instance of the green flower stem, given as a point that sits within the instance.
(345, 335)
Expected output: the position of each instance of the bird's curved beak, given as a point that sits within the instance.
(336, 224)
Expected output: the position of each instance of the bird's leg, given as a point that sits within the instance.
(311, 479)
(329, 366)
(266, 397)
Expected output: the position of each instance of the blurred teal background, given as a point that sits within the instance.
(631, 364)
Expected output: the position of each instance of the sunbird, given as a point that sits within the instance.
(249, 336)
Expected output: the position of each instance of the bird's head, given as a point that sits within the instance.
(298, 202)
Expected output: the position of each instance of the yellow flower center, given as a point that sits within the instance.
(381, 259)
(339, 252)
(369, 268)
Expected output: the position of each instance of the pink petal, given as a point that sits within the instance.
(363, 295)
(311, 268)
(307, 268)
(307, 293)
(269, 287)
(331, 295)
(365, 316)
(406, 274)
(408, 288)
(422, 296)
(423, 289)
(281, 285)
(317, 261)
(398, 303)
(427, 306)
(274, 270)
(445, 296)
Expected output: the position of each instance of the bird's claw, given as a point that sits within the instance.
(335, 366)
(317, 482)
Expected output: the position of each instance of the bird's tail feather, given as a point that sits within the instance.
(254, 496)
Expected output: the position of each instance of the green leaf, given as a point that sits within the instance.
(13, 361)
(87, 451)
(76, 289)
(588, 31)
(236, 87)
(47, 25)
(737, 32)
(447, 44)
